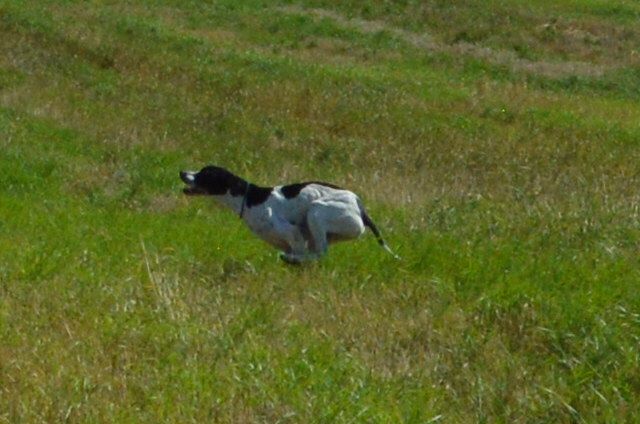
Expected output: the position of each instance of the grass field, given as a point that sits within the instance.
(496, 144)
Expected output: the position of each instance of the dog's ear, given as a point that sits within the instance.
(214, 180)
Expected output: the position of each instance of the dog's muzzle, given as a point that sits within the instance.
(189, 178)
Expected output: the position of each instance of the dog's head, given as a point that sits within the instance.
(211, 180)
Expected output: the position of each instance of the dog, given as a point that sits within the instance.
(301, 219)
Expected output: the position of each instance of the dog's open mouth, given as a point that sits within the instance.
(192, 191)
(189, 178)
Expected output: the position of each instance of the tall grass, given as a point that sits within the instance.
(497, 152)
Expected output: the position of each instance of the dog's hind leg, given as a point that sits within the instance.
(332, 221)
(318, 231)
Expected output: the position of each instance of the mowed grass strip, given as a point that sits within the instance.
(510, 195)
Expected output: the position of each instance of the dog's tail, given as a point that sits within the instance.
(366, 220)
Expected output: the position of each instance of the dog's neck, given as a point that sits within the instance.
(243, 195)
(236, 197)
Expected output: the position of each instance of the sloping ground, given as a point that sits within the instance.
(497, 57)
(496, 144)
(593, 31)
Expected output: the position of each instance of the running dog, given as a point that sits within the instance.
(300, 219)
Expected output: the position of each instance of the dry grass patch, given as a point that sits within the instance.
(556, 69)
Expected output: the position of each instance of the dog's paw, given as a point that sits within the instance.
(290, 259)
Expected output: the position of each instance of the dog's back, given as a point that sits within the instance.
(297, 198)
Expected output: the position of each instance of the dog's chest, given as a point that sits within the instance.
(270, 225)
(274, 212)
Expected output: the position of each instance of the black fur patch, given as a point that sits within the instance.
(292, 190)
(215, 180)
(218, 181)
(257, 195)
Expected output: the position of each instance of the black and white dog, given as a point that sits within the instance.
(300, 219)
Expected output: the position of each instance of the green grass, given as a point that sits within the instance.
(497, 147)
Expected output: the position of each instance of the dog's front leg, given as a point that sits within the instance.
(293, 237)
